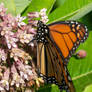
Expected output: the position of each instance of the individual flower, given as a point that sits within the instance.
(9, 38)
(25, 71)
(17, 53)
(10, 21)
(4, 83)
(44, 19)
(38, 81)
(20, 19)
(11, 42)
(31, 30)
(16, 79)
(42, 12)
(3, 55)
(33, 15)
(24, 37)
(32, 22)
(2, 10)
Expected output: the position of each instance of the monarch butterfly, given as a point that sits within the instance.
(56, 43)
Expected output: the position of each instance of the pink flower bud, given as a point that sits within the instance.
(33, 15)
(33, 22)
(81, 54)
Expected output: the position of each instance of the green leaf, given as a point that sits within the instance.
(58, 3)
(21, 5)
(71, 9)
(81, 12)
(87, 20)
(81, 69)
(15, 6)
(83, 81)
(49, 88)
(37, 5)
(88, 88)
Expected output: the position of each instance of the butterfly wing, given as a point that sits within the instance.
(52, 57)
(67, 36)
(51, 67)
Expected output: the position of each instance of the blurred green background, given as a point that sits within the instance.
(80, 10)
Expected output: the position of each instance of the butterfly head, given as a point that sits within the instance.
(41, 27)
(42, 32)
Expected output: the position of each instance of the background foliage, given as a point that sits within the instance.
(81, 10)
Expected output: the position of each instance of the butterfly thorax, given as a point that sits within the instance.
(42, 33)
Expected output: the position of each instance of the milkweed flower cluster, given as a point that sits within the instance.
(42, 15)
(17, 70)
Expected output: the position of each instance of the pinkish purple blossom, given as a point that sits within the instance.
(3, 55)
(16, 66)
(42, 15)
(20, 19)
(4, 83)
(16, 78)
(33, 15)
(2, 10)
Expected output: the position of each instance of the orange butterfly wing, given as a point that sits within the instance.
(53, 53)
(51, 68)
(67, 36)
